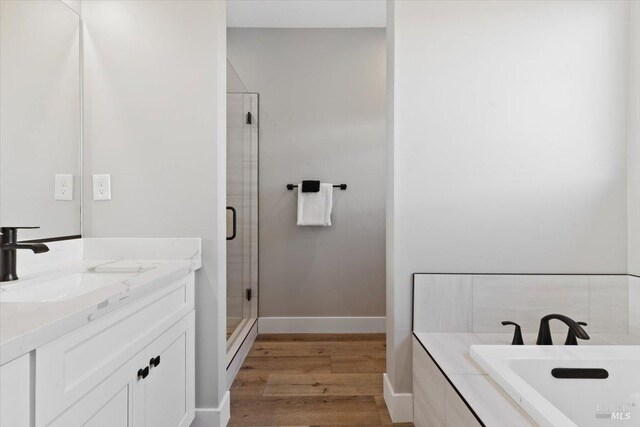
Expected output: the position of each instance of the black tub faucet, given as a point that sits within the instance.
(517, 333)
(544, 334)
(8, 246)
(571, 337)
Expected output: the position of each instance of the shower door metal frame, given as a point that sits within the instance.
(251, 292)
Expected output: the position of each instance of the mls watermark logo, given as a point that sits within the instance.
(614, 411)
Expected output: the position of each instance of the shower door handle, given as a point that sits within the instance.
(234, 222)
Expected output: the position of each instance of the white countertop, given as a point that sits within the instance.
(27, 325)
(450, 351)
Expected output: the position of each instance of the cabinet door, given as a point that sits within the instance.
(15, 392)
(114, 414)
(110, 403)
(166, 390)
(98, 410)
(169, 389)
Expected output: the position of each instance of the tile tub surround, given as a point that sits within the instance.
(450, 352)
(27, 325)
(634, 304)
(479, 302)
(480, 394)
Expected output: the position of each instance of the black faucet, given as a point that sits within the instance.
(8, 246)
(544, 334)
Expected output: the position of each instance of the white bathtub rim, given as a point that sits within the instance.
(493, 359)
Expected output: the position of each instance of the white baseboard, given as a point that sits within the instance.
(400, 405)
(321, 325)
(241, 354)
(214, 417)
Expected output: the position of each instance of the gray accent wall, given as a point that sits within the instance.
(322, 106)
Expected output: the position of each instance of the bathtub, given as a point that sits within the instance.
(543, 381)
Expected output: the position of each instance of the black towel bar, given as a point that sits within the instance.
(340, 186)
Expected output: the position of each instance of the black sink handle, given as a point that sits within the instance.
(517, 334)
(571, 336)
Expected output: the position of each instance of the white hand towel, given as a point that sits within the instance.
(315, 208)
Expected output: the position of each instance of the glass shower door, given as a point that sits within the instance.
(242, 215)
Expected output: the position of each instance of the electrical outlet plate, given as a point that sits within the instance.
(102, 186)
(63, 187)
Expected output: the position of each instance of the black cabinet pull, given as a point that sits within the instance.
(153, 362)
(143, 373)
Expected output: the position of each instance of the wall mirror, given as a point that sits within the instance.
(40, 118)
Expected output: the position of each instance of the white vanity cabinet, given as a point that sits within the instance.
(164, 398)
(133, 367)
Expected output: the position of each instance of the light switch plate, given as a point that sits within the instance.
(102, 186)
(63, 187)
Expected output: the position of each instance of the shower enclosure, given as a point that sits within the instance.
(242, 212)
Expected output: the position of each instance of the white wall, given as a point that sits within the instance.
(390, 204)
(509, 144)
(634, 143)
(306, 14)
(75, 5)
(234, 83)
(155, 120)
(322, 115)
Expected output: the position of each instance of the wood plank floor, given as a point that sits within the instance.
(312, 380)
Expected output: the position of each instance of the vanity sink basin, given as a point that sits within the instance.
(63, 288)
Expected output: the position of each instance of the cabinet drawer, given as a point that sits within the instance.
(70, 366)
